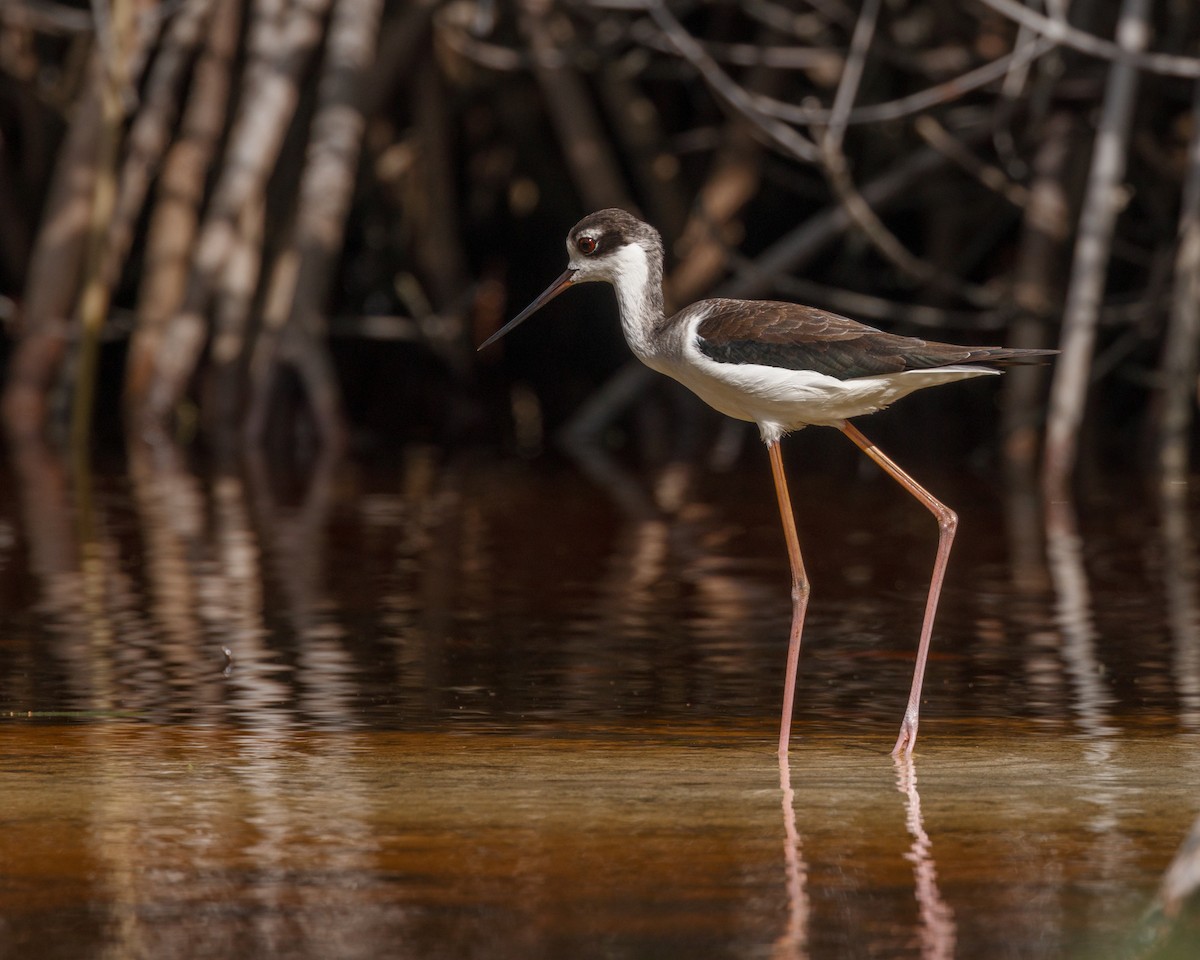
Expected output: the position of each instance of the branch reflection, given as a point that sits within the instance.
(1076, 621)
(1180, 572)
(793, 943)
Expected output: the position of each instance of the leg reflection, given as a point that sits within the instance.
(938, 931)
(793, 944)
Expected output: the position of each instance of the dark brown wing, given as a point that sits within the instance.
(796, 337)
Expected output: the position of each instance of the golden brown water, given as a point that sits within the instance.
(451, 710)
(135, 840)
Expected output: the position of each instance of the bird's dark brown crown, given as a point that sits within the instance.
(602, 232)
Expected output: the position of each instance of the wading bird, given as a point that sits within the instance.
(783, 366)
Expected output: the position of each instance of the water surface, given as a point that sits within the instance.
(438, 707)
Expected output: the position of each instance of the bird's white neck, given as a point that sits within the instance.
(638, 279)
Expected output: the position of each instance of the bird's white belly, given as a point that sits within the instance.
(780, 400)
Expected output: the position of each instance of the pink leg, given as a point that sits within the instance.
(947, 523)
(799, 594)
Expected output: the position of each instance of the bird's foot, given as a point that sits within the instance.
(908, 737)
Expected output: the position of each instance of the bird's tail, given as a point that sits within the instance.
(1008, 355)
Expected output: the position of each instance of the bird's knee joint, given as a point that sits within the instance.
(948, 521)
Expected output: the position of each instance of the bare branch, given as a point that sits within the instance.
(1058, 30)
(151, 130)
(888, 244)
(593, 165)
(1101, 204)
(991, 176)
(744, 54)
(283, 41)
(847, 90)
(294, 323)
(937, 95)
(1183, 331)
(757, 278)
(48, 16)
(787, 139)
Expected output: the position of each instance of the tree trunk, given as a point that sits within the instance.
(1101, 203)
(54, 272)
(1183, 329)
(295, 328)
(180, 198)
(1036, 290)
(284, 37)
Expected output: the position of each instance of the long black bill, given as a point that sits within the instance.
(552, 291)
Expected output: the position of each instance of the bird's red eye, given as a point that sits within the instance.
(586, 245)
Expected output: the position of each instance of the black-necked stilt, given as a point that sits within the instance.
(782, 366)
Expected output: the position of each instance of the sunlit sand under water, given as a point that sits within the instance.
(123, 839)
(497, 711)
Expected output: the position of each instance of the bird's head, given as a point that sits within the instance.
(609, 245)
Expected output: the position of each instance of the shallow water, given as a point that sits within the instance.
(445, 708)
(153, 840)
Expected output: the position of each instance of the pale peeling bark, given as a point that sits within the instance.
(294, 321)
(283, 40)
(96, 294)
(179, 200)
(150, 133)
(54, 273)
(1101, 204)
